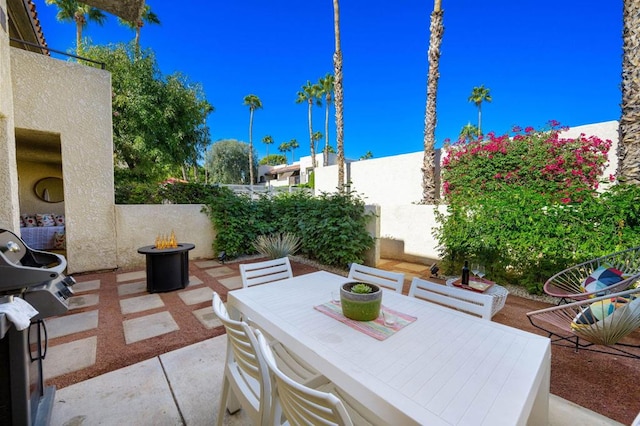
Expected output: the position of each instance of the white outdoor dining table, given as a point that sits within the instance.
(446, 368)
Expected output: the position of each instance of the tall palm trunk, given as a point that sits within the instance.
(428, 163)
(79, 18)
(251, 150)
(629, 145)
(337, 71)
(325, 157)
(312, 147)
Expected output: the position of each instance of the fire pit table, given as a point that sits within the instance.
(167, 268)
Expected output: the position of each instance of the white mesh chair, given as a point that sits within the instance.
(245, 372)
(386, 279)
(463, 300)
(601, 322)
(320, 403)
(265, 272)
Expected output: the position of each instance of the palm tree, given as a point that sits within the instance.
(253, 102)
(479, 95)
(337, 88)
(629, 145)
(310, 94)
(267, 140)
(147, 17)
(284, 147)
(326, 90)
(468, 133)
(80, 13)
(316, 137)
(428, 163)
(293, 144)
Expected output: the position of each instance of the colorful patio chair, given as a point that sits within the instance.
(608, 324)
(607, 274)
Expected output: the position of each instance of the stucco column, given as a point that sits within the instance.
(10, 210)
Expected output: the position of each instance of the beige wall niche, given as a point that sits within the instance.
(73, 101)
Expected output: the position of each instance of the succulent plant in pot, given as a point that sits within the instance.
(360, 301)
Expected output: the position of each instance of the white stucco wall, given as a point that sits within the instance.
(138, 226)
(74, 102)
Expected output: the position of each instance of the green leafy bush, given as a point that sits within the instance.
(529, 226)
(331, 227)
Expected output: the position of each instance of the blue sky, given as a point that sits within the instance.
(541, 59)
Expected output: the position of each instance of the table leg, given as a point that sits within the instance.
(540, 410)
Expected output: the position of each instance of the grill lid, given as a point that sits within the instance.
(22, 267)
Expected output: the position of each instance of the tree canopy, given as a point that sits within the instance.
(228, 162)
(159, 123)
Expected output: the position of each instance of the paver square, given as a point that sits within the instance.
(132, 288)
(69, 324)
(207, 317)
(220, 272)
(141, 303)
(83, 301)
(412, 267)
(130, 276)
(232, 283)
(193, 280)
(148, 326)
(207, 264)
(86, 286)
(192, 297)
(68, 357)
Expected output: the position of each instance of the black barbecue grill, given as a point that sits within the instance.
(37, 277)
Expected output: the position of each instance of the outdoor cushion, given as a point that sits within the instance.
(598, 311)
(29, 220)
(59, 219)
(59, 241)
(601, 278)
(45, 219)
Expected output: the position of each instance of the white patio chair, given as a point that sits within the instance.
(386, 279)
(321, 404)
(265, 272)
(245, 371)
(463, 300)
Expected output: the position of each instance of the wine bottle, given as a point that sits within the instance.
(465, 273)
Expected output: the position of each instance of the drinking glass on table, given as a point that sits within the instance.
(481, 271)
(474, 269)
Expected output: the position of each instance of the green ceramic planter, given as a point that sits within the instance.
(360, 307)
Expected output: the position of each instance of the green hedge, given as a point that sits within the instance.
(332, 227)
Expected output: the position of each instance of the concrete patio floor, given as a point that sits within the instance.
(182, 388)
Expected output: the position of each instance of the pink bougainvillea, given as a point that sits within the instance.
(535, 158)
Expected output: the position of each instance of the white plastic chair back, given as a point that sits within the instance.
(386, 279)
(299, 404)
(245, 370)
(265, 272)
(457, 298)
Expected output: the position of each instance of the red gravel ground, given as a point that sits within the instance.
(607, 384)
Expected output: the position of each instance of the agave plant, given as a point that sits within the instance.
(275, 246)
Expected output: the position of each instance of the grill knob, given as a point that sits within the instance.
(11, 247)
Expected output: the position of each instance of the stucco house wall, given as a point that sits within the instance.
(10, 211)
(138, 225)
(73, 102)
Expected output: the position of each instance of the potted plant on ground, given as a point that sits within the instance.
(360, 301)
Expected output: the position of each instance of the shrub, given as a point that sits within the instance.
(563, 168)
(527, 207)
(275, 246)
(331, 227)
